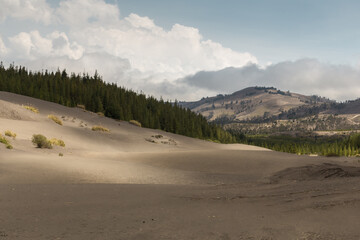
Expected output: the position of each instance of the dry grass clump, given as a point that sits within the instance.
(31, 108)
(10, 134)
(100, 128)
(55, 119)
(134, 122)
(57, 142)
(3, 140)
(81, 106)
(41, 141)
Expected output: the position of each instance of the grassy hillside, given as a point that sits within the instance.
(253, 103)
(92, 93)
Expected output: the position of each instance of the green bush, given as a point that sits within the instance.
(41, 141)
(6, 142)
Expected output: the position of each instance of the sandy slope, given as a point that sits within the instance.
(119, 185)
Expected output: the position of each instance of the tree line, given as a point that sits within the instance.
(321, 145)
(111, 100)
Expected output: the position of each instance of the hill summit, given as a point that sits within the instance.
(253, 102)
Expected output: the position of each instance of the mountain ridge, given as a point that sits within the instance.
(253, 102)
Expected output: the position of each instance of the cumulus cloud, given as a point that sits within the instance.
(306, 76)
(133, 51)
(36, 10)
(77, 14)
(33, 46)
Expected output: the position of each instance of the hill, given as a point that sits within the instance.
(251, 103)
(132, 182)
(259, 110)
(93, 94)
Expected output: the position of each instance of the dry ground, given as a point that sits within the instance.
(121, 185)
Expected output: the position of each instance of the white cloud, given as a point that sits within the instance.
(111, 67)
(3, 48)
(77, 14)
(151, 49)
(33, 46)
(36, 10)
(133, 51)
(82, 29)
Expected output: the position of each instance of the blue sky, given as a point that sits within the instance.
(191, 49)
(275, 30)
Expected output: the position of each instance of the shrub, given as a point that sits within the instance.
(31, 108)
(100, 128)
(6, 142)
(57, 142)
(214, 140)
(3, 140)
(10, 134)
(61, 155)
(41, 141)
(81, 106)
(55, 119)
(134, 122)
(101, 114)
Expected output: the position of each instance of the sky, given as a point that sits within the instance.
(187, 50)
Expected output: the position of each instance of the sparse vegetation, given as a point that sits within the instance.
(10, 134)
(81, 106)
(55, 119)
(158, 136)
(41, 141)
(31, 108)
(61, 154)
(150, 140)
(93, 94)
(215, 141)
(100, 128)
(57, 142)
(3, 140)
(134, 122)
(101, 114)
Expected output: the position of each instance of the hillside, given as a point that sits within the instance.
(260, 110)
(140, 183)
(92, 93)
(252, 102)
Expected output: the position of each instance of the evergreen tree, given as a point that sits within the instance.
(115, 102)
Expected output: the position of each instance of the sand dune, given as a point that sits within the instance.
(130, 183)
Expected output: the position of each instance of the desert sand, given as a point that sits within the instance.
(130, 183)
